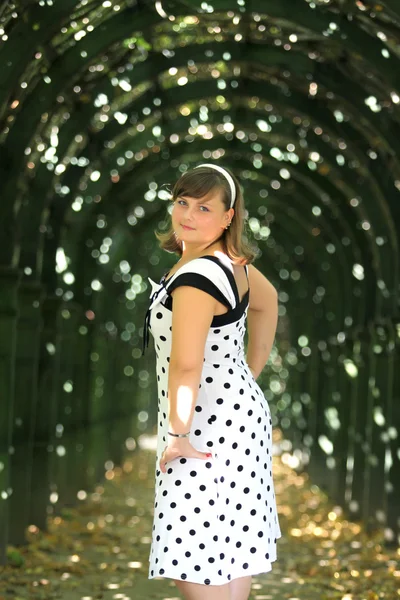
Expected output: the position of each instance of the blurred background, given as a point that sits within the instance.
(103, 105)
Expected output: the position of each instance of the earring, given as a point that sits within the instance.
(228, 225)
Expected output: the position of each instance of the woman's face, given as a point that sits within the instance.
(205, 216)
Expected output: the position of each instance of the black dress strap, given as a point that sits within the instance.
(229, 275)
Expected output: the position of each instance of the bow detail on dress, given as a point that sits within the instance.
(158, 291)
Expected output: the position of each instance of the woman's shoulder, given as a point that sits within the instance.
(208, 265)
(261, 287)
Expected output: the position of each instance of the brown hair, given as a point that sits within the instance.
(198, 182)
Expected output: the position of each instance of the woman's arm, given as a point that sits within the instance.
(192, 314)
(262, 319)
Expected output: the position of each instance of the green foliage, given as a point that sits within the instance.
(14, 557)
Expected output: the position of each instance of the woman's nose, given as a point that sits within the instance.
(189, 212)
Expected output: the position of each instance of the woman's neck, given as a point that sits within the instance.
(191, 254)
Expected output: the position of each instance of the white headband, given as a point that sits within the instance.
(228, 178)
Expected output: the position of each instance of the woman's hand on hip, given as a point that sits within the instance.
(180, 447)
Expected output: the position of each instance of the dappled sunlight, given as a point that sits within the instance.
(320, 552)
(103, 105)
(184, 401)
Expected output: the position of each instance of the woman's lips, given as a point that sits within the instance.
(188, 228)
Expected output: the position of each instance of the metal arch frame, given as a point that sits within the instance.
(308, 23)
(249, 82)
(203, 90)
(69, 171)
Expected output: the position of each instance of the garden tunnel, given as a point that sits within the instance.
(102, 106)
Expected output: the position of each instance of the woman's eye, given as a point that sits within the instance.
(179, 201)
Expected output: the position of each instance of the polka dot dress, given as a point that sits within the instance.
(214, 520)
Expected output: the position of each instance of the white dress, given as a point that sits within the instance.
(214, 520)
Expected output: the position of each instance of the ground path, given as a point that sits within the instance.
(99, 550)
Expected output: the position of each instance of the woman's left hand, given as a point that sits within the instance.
(180, 447)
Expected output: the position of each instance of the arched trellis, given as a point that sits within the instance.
(316, 89)
(372, 205)
(100, 190)
(314, 22)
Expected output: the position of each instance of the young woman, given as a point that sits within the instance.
(215, 517)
